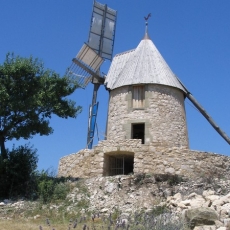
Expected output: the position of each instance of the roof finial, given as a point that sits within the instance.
(146, 26)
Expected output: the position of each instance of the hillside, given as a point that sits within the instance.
(147, 201)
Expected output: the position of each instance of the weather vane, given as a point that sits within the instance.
(147, 18)
(146, 22)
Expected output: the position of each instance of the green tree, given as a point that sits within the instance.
(29, 95)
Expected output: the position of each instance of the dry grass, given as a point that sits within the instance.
(31, 225)
(144, 224)
(18, 225)
(35, 224)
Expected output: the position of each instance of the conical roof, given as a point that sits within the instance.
(143, 65)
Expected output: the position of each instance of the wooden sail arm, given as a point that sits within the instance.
(205, 114)
(210, 120)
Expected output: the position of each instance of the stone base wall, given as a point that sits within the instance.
(147, 159)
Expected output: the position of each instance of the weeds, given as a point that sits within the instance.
(139, 221)
(169, 178)
(160, 218)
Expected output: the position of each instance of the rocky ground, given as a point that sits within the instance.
(203, 204)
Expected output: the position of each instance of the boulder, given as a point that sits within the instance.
(200, 216)
(2, 204)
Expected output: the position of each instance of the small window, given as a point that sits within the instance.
(138, 132)
(138, 96)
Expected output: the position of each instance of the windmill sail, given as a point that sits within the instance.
(85, 66)
(102, 30)
(205, 114)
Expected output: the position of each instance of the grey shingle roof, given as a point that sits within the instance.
(143, 65)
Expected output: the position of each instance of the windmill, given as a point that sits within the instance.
(85, 67)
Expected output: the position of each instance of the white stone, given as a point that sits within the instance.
(199, 201)
(208, 193)
(205, 227)
(218, 202)
(104, 210)
(186, 202)
(181, 205)
(213, 197)
(110, 187)
(225, 199)
(192, 195)
(224, 210)
(228, 195)
(37, 217)
(177, 197)
(218, 223)
(227, 222)
(170, 170)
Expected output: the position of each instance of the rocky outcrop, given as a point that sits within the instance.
(203, 204)
(208, 211)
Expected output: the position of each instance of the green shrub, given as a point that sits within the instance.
(158, 210)
(171, 179)
(174, 180)
(138, 178)
(51, 188)
(45, 190)
(45, 186)
(60, 191)
(17, 176)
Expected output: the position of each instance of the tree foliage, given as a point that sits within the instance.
(29, 95)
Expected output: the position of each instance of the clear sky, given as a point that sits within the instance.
(192, 36)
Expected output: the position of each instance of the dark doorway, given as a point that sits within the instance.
(138, 132)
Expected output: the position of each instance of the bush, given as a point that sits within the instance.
(19, 178)
(45, 183)
(138, 178)
(18, 172)
(60, 191)
(51, 188)
(171, 179)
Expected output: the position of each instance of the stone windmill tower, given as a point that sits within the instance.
(146, 99)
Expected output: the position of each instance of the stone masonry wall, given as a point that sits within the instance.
(147, 159)
(163, 116)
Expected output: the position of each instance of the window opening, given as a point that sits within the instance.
(138, 132)
(119, 165)
(138, 96)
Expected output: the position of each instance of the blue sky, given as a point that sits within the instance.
(192, 36)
